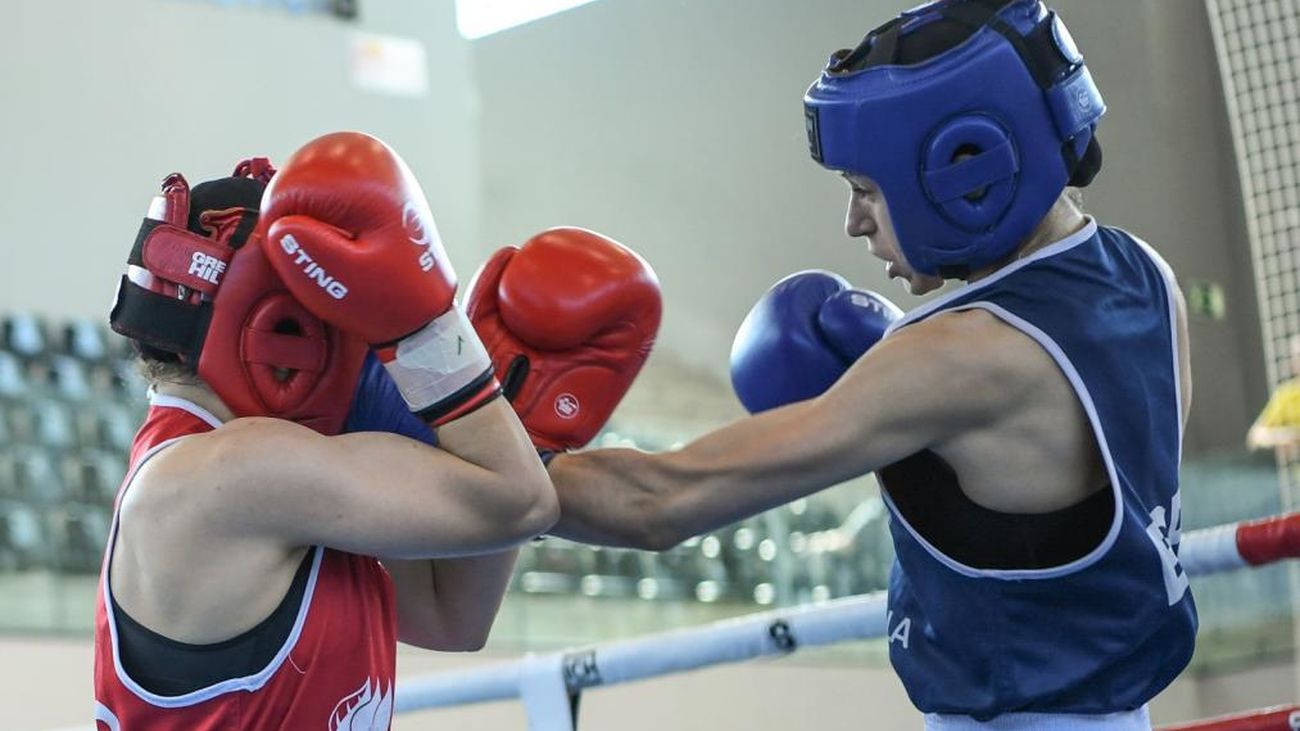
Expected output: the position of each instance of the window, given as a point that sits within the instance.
(478, 18)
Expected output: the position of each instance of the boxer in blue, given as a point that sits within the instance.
(1025, 428)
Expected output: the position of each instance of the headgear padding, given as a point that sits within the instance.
(971, 147)
(198, 289)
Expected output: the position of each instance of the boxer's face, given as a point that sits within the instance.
(868, 217)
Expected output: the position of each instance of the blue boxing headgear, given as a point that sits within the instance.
(1013, 100)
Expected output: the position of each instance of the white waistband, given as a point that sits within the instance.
(1138, 720)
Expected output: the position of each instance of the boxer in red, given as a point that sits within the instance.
(262, 565)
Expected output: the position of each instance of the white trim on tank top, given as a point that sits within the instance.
(1079, 237)
(246, 683)
(1085, 399)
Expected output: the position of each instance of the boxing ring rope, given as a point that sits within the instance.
(1281, 718)
(550, 685)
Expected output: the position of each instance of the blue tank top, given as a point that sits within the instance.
(1107, 631)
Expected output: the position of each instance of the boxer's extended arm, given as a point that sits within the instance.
(941, 377)
(379, 494)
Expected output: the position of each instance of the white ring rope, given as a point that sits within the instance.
(1207, 551)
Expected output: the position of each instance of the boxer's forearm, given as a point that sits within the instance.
(624, 497)
(611, 497)
(631, 499)
(469, 592)
(450, 604)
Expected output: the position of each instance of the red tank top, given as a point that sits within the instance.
(334, 672)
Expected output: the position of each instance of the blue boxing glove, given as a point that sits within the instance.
(803, 334)
(377, 405)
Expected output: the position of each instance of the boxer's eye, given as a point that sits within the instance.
(860, 189)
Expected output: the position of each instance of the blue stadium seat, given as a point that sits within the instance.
(54, 426)
(116, 426)
(128, 383)
(38, 482)
(69, 378)
(23, 540)
(24, 335)
(82, 534)
(21, 421)
(102, 472)
(86, 340)
(13, 380)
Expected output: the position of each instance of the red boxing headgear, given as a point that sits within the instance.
(199, 289)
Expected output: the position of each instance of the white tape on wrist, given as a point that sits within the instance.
(438, 361)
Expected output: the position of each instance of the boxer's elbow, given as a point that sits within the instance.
(468, 645)
(533, 505)
(543, 511)
(465, 641)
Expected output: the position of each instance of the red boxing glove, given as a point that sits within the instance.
(348, 230)
(569, 319)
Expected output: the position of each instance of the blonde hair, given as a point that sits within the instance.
(1075, 195)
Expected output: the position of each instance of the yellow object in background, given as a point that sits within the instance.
(1278, 425)
(1283, 408)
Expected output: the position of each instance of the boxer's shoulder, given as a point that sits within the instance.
(961, 345)
(953, 327)
(215, 472)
